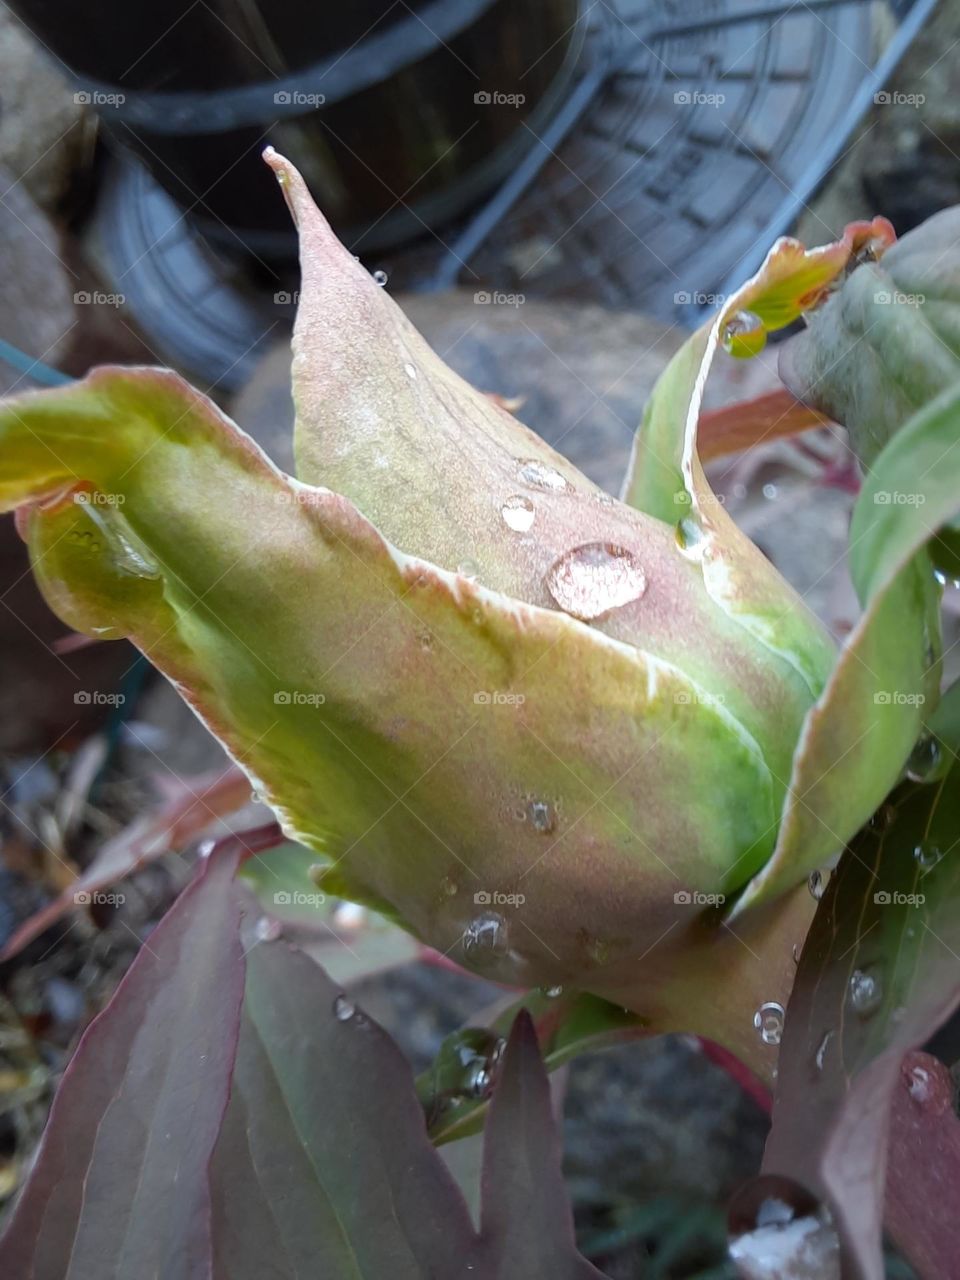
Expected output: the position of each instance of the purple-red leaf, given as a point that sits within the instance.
(923, 1168)
(526, 1227)
(879, 974)
(120, 1187)
(324, 1167)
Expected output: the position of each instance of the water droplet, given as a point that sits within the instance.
(770, 491)
(468, 569)
(449, 886)
(343, 1010)
(552, 992)
(744, 334)
(927, 761)
(485, 934)
(411, 371)
(690, 536)
(882, 818)
(796, 951)
(426, 641)
(816, 883)
(350, 915)
(380, 278)
(927, 854)
(866, 992)
(518, 513)
(540, 476)
(542, 815)
(268, 929)
(205, 848)
(769, 1022)
(467, 1063)
(595, 578)
(918, 1083)
(822, 1051)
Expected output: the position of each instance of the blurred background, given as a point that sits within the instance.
(556, 191)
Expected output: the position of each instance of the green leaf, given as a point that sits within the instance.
(566, 1026)
(436, 742)
(885, 684)
(888, 342)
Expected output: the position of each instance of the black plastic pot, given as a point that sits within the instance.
(398, 114)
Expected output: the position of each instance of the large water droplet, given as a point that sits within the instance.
(540, 476)
(542, 815)
(467, 1064)
(927, 760)
(411, 371)
(380, 277)
(552, 992)
(486, 934)
(769, 1022)
(919, 1084)
(744, 334)
(468, 569)
(816, 883)
(690, 537)
(343, 1010)
(865, 991)
(518, 513)
(595, 578)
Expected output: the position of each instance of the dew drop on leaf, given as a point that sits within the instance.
(816, 883)
(486, 933)
(927, 854)
(380, 277)
(540, 476)
(518, 513)
(542, 815)
(552, 992)
(595, 578)
(926, 760)
(821, 1053)
(744, 334)
(267, 929)
(768, 1020)
(343, 1010)
(865, 992)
